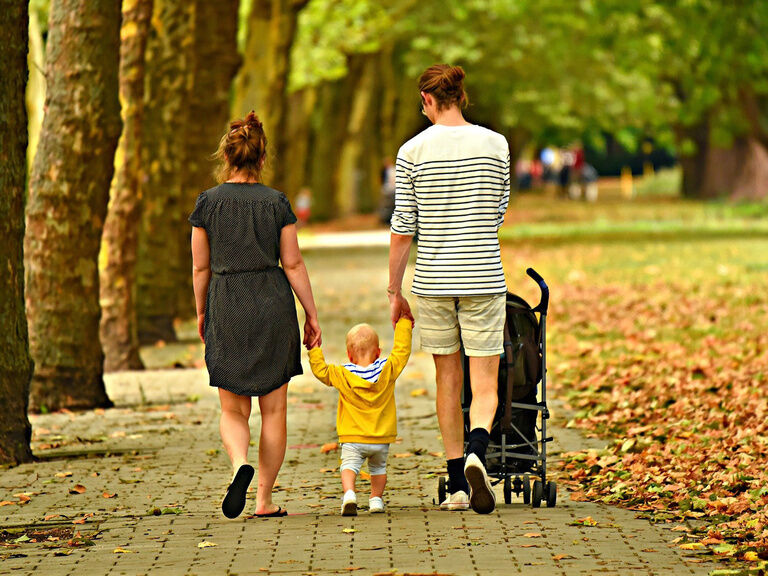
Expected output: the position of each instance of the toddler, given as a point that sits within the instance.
(366, 421)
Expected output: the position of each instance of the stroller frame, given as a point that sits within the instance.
(508, 454)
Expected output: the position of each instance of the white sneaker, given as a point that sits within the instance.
(349, 504)
(481, 496)
(375, 505)
(456, 501)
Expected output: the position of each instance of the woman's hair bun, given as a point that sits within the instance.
(253, 121)
(454, 74)
(446, 84)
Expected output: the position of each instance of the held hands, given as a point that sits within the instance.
(312, 333)
(399, 307)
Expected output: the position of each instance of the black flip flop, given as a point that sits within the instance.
(276, 514)
(234, 501)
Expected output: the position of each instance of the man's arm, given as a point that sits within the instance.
(404, 225)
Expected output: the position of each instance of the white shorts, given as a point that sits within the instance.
(446, 322)
(353, 454)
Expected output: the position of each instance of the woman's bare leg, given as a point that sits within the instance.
(272, 443)
(233, 426)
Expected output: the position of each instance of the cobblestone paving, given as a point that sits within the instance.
(138, 487)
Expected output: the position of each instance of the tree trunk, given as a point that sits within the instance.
(694, 165)
(15, 363)
(739, 172)
(68, 196)
(330, 130)
(296, 155)
(263, 80)
(355, 195)
(285, 14)
(165, 126)
(35, 85)
(214, 60)
(119, 332)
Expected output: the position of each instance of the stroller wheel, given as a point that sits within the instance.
(538, 494)
(526, 490)
(507, 490)
(441, 490)
(551, 494)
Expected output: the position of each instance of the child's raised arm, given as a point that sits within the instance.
(401, 349)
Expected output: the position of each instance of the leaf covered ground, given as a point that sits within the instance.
(659, 345)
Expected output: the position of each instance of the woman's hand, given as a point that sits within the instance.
(399, 308)
(312, 333)
(201, 327)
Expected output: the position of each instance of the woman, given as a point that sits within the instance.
(452, 187)
(242, 232)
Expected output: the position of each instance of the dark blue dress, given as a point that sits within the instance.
(252, 341)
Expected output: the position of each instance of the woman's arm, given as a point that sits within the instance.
(296, 271)
(201, 274)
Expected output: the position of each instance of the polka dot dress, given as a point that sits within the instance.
(252, 342)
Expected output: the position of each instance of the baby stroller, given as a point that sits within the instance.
(518, 448)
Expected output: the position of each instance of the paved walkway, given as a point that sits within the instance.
(136, 489)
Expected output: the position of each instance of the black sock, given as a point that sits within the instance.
(456, 480)
(479, 438)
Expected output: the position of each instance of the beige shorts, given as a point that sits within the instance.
(446, 322)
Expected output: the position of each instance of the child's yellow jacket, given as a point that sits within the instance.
(366, 412)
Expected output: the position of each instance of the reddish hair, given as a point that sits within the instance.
(243, 148)
(446, 85)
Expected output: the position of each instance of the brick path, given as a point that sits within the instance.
(158, 452)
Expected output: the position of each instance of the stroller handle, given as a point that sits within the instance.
(544, 302)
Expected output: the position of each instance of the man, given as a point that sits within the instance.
(453, 189)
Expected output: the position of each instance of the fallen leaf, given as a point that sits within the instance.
(364, 475)
(206, 544)
(77, 489)
(750, 556)
(692, 546)
(122, 551)
(416, 392)
(529, 545)
(63, 474)
(108, 495)
(403, 455)
(532, 535)
(349, 530)
(562, 556)
(329, 447)
(6, 503)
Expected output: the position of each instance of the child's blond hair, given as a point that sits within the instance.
(362, 340)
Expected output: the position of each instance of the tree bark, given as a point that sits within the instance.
(68, 196)
(296, 156)
(119, 331)
(330, 130)
(214, 60)
(694, 166)
(159, 269)
(739, 172)
(15, 363)
(35, 85)
(263, 80)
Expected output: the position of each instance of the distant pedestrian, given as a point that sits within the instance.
(453, 189)
(246, 259)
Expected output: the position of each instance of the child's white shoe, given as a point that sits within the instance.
(349, 504)
(375, 505)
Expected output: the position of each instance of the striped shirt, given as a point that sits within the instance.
(370, 372)
(453, 189)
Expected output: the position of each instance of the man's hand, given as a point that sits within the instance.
(399, 307)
